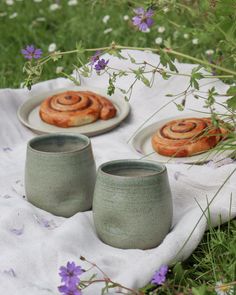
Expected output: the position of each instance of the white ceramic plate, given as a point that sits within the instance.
(141, 142)
(28, 114)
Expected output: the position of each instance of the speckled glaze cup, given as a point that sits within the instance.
(60, 173)
(132, 205)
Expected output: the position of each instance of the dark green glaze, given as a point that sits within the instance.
(60, 173)
(132, 204)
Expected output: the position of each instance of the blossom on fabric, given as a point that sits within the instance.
(143, 19)
(52, 47)
(70, 273)
(159, 276)
(69, 290)
(106, 19)
(101, 64)
(30, 52)
(223, 289)
(72, 2)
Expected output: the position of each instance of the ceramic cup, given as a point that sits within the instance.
(60, 173)
(132, 205)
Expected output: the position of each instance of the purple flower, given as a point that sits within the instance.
(70, 273)
(69, 290)
(95, 57)
(160, 275)
(100, 65)
(30, 52)
(143, 19)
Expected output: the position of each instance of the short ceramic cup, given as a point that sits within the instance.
(60, 173)
(132, 205)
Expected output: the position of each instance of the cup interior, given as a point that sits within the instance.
(59, 143)
(128, 168)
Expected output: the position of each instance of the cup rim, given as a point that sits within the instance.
(51, 135)
(132, 161)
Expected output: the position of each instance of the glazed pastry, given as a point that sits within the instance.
(187, 137)
(76, 108)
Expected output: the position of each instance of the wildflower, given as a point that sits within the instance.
(54, 6)
(52, 47)
(100, 65)
(223, 289)
(126, 17)
(13, 15)
(195, 41)
(9, 2)
(106, 19)
(59, 70)
(3, 14)
(107, 31)
(143, 19)
(165, 9)
(70, 274)
(69, 290)
(72, 2)
(95, 57)
(161, 29)
(160, 275)
(30, 52)
(37, 1)
(209, 52)
(186, 36)
(158, 40)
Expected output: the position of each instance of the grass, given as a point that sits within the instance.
(35, 23)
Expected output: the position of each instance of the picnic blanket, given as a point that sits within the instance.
(35, 243)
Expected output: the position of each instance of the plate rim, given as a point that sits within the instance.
(123, 114)
(172, 160)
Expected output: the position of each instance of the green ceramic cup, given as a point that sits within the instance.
(60, 173)
(132, 205)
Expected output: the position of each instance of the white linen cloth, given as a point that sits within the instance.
(34, 243)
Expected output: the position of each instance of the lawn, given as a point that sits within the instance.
(203, 29)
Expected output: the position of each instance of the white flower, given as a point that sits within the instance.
(106, 19)
(72, 2)
(186, 36)
(161, 29)
(147, 30)
(37, 1)
(52, 47)
(59, 70)
(54, 6)
(13, 15)
(165, 9)
(126, 17)
(107, 31)
(9, 2)
(40, 19)
(223, 289)
(158, 40)
(209, 52)
(195, 41)
(3, 14)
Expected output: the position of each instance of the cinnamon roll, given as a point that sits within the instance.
(75, 108)
(187, 137)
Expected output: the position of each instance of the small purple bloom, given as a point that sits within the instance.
(100, 65)
(94, 58)
(31, 53)
(160, 275)
(143, 19)
(17, 231)
(69, 290)
(70, 274)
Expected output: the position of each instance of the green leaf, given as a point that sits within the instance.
(116, 52)
(231, 90)
(132, 59)
(79, 47)
(200, 290)
(145, 80)
(231, 102)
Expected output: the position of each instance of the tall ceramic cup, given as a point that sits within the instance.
(132, 205)
(60, 173)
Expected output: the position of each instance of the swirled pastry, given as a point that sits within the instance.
(187, 137)
(75, 108)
